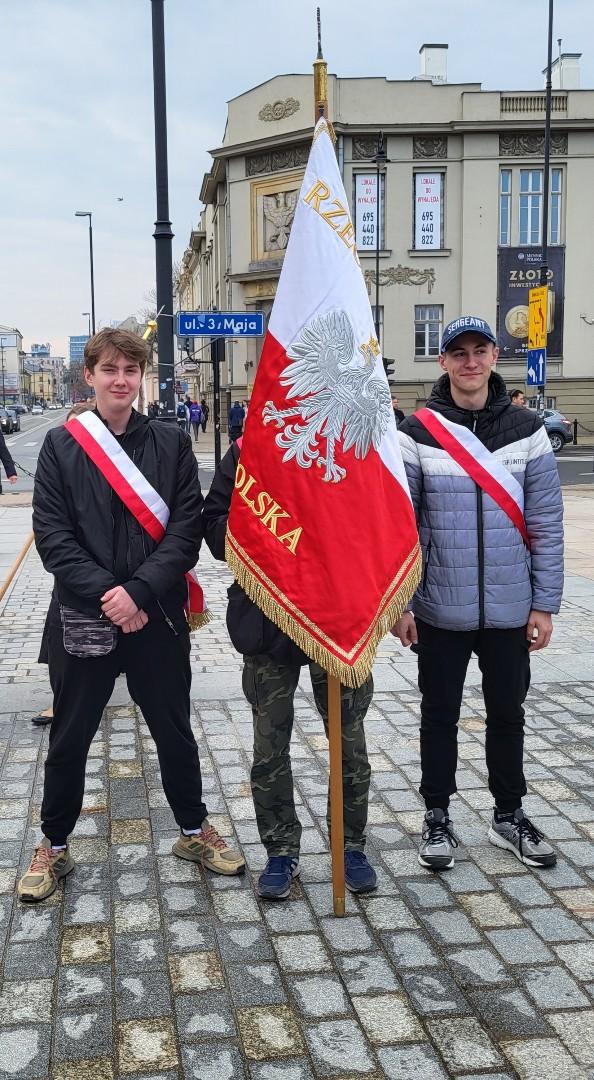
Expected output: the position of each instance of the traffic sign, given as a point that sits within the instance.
(537, 317)
(220, 324)
(536, 368)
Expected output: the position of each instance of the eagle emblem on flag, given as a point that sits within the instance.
(341, 398)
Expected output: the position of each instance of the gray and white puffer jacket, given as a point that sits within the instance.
(477, 571)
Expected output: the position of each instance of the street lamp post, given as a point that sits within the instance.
(381, 161)
(88, 314)
(3, 386)
(544, 266)
(89, 214)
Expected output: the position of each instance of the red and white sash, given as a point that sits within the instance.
(480, 464)
(136, 493)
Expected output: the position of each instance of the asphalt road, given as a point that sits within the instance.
(26, 444)
(576, 464)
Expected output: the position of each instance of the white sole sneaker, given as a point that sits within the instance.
(500, 842)
(433, 865)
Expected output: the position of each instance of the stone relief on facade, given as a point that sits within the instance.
(364, 148)
(286, 157)
(279, 211)
(279, 110)
(531, 143)
(401, 275)
(431, 146)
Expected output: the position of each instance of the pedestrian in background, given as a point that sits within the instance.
(236, 419)
(9, 465)
(398, 413)
(205, 413)
(517, 397)
(195, 418)
(487, 496)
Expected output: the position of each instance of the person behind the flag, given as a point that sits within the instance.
(272, 664)
(486, 588)
(118, 606)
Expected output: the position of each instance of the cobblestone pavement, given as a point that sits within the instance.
(141, 966)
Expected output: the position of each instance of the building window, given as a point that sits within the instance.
(428, 210)
(556, 192)
(428, 326)
(530, 207)
(546, 403)
(505, 178)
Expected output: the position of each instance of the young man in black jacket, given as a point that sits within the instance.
(112, 580)
(271, 669)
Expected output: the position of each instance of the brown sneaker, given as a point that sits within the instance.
(45, 871)
(209, 849)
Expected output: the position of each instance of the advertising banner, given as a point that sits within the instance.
(428, 210)
(366, 216)
(518, 272)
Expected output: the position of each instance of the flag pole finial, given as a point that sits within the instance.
(320, 75)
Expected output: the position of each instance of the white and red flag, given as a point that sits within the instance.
(321, 531)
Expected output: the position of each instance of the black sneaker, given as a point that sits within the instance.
(516, 833)
(438, 840)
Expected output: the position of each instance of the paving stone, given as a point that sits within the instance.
(24, 1052)
(184, 934)
(366, 974)
(85, 1069)
(86, 945)
(450, 927)
(489, 910)
(81, 986)
(347, 935)
(388, 1018)
(297, 1069)
(333, 1043)
(256, 984)
(520, 946)
(579, 901)
(23, 1002)
(577, 1032)
(526, 891)
(409, 950)
(553, 988)
(196, 971)
(555, 925)
(144, 1044)
(33, 924)
(508, 1013)
(242, 943)
(477, 967)
(142, 995)
(388, 913)
(139, 952)
(21, 959)
(301, 952)
(419, 1061)
(135, 883)
(204, 1015)
(527, 1057)
(319, 996)
(463, 1044)
(86, 907)
(292, 917)
(212, 1061)
(426, 894)
(434, 992)
(134, 916)
(269, 1032)
(578, 958)
(85, 1034)
(236, 907)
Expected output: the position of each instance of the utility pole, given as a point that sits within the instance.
(3, 386)
(163, 233)
(544, 266)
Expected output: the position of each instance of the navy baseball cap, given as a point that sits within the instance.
(464, 325)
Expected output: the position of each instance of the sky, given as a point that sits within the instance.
(76, 118)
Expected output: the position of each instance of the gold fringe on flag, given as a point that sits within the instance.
(198, 619)
(352, 675)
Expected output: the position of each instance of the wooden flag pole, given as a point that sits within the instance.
(336, 798)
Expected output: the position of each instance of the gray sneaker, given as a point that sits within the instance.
(517, 833)
(438, 840)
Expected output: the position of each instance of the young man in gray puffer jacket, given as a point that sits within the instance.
(493, 576)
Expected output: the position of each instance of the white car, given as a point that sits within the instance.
(36, 410)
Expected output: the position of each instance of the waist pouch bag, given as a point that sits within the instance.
(87, 635)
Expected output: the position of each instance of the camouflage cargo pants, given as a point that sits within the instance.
(270, 690)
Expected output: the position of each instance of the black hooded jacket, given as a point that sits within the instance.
(90, 542)
(251, 632)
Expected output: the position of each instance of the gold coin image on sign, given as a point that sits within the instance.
(516, 321)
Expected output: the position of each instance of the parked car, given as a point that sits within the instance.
(6, 421)
(21, 409)
(559, 429)
(36, 410)
(15, 418)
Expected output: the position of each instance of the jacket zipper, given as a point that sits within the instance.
(480, 543)
(427, 556)
(163, 612)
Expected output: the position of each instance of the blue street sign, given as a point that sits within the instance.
(220, 324)
(536, 367)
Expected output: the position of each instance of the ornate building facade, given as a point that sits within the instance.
(459, 222)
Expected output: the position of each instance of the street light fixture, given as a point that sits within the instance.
(88, 314)
(380, 160)
(89, 214)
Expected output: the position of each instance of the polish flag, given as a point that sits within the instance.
(321, 531)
